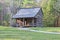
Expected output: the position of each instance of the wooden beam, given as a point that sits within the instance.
(23, 21)
(32, 22)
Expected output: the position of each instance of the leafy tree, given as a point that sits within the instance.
(48, 11)
(56, 7)
(29, 3)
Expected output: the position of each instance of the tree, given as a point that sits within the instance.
(56, 7)
(48, 10)
(29, 3)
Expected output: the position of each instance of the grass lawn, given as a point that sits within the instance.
(7, 33)
(49, 29)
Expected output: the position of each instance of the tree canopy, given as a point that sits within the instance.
(51, 8)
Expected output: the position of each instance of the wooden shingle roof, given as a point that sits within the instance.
(26, 12)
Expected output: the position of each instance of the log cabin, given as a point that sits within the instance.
(29, 17)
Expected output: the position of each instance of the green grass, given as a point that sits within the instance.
(7, 33)
(50, 29)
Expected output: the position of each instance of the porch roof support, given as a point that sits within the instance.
(32, 22)
(23, 21)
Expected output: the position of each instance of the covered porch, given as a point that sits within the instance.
(26, 22)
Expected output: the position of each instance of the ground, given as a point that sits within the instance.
(49, 29)
(8, 33)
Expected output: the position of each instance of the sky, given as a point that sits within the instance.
(38, 0)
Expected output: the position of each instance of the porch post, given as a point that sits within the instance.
(32, 22)
(23, 21)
